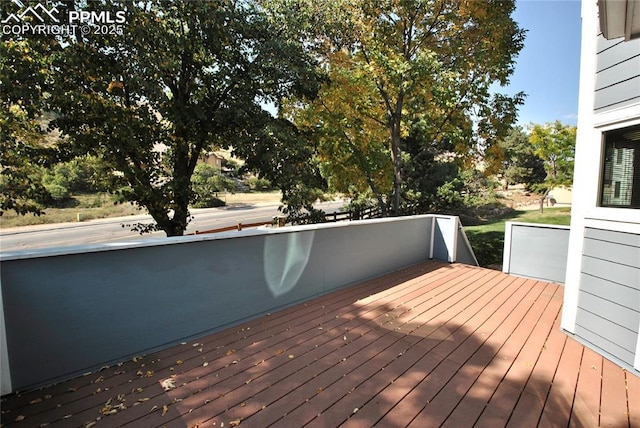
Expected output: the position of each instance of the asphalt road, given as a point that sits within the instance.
(117, 229)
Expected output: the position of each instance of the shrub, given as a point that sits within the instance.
(206, 183)
(257, 183)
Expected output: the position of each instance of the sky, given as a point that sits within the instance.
(548, 67)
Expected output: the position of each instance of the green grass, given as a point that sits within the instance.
(487, 237)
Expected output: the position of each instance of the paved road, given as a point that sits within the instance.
(116, 230)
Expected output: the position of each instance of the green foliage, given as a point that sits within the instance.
(231, 167)
(79, 175)
(257, 183)
(206, 183)
(555, 144)
(518, 163)
(468, 190)
(284, 155)
(24, 79)
(150, 113)
(406, 76)
(58, 193)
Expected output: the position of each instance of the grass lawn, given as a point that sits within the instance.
(487, 237)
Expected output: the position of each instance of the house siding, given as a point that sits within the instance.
(617, 74)
(608, 314)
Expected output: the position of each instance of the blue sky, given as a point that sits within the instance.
(548, 66)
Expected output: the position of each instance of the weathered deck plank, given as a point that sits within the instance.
(430, 345)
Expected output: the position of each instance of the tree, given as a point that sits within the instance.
(421, 72)
(24, 81)
(183, 78)
(207, 181)
(285, 155)
(555, 144)
(351, 144)
(517, 161)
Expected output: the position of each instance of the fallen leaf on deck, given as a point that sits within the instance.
(179, 362)
(165, 409)
(168, 384)
(291, 356)
(279, 351)
(230, 351)
(205, 364)
(235, 422)
(37, 400)
(20, 418)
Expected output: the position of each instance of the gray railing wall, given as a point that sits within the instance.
(71, 310)
(536, 251)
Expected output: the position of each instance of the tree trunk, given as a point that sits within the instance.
(395, 122)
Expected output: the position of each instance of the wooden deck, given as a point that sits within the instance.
(431, 345)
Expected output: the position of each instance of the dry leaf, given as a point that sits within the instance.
(168, 384)
(279, 351)
(230, 351)
(205, 364)
(20, 418)
(37, 400)
(142, 400)
(165, 409)
(235, 422)
(179, 362)
(291, 356)
(90, 424)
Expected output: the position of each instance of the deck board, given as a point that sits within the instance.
(430, 345)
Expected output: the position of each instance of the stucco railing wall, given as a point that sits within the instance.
(70, 310)
(537, 251)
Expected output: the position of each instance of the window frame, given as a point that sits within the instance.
(612, 136)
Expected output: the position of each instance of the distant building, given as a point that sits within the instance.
(602, 284)
(213, 159)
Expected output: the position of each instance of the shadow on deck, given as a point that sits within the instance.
(431, 345)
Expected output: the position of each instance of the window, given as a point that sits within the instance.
(621, 169)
